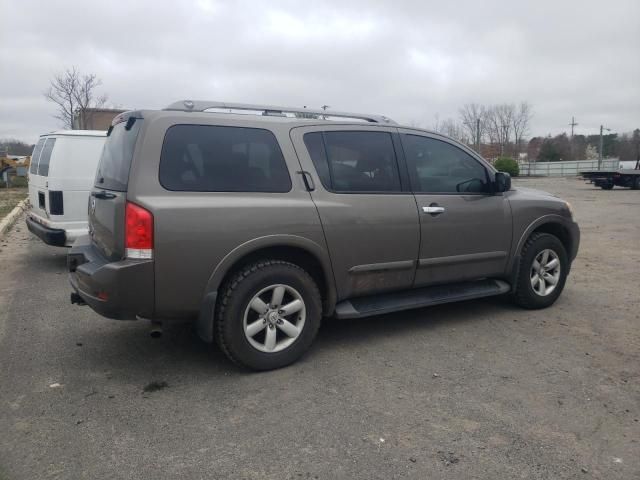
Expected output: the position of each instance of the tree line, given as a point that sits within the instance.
(492, 130)
(12, 146)
(501, 130)
(584, 147)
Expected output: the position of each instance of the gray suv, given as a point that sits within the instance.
(257, 221)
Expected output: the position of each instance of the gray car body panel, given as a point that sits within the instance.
(471, 239)
(365, 243)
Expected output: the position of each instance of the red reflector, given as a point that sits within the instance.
(138, 228)
(103, 296)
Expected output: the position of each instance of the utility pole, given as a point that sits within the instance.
(324, 107)
(572, 124)
(601, 143)
(478, 136)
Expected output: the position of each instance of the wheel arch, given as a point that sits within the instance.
(552, 224)
(292, 248)
(299, 250)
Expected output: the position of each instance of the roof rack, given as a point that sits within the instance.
(272, 110)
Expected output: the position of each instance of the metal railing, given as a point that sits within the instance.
(273, 110)
(564, 168)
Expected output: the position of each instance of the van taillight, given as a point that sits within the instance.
(138, 232)
(56, 204)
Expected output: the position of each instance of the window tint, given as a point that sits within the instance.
(439, 167)
(356, 161)
(204, 158)
(45, 157)
(33, 168)
(115, 161)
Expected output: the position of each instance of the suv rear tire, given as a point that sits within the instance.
(543, 261)
(268, 315)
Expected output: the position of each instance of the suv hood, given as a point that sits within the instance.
(533, 192)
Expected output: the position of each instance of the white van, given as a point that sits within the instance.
(62, 172)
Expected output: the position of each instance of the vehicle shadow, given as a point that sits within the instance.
(55, 261)
(127, 346)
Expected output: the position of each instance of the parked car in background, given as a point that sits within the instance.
(258, 225)
(62, 172)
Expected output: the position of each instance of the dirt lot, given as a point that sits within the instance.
(9, 198)
(474, 390)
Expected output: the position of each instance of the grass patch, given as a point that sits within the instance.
(9, 198)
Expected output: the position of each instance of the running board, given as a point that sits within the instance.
(420, 297)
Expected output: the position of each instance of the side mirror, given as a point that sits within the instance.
(502, 182)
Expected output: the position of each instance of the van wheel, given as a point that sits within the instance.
(268, 315)
(636, 183)
(543, 271)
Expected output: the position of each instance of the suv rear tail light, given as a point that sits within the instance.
(138, 232)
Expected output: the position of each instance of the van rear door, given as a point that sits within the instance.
(38, 174)
(109, 195)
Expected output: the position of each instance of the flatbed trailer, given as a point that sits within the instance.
(607, 179)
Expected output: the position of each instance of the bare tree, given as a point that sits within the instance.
(520, 124)
(74, 93)
(499, 123)
(453, 129)
(473, 118)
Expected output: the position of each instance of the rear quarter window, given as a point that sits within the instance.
(35, 156)
(45, 157)
(204, 158)
(115, 161)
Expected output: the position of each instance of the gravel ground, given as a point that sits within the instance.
(479, 389)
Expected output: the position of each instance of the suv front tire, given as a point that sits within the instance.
(268, 315)
(543, 271)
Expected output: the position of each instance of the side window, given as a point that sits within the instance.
(202, 158)
(439, 167)
(45, 157)
(33, 168)
(355, 161)
(315, 146)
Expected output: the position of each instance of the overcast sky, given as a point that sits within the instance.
(409, 60)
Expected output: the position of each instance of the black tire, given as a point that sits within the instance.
(635, 185)
(607, 186)
(237, 294)
(525, 296)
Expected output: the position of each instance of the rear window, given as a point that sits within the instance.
(45, 157)
(115, 162)
(33, 168)
(203, 158)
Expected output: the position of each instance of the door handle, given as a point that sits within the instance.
(433, 210)
(308, 180)
(103, 195)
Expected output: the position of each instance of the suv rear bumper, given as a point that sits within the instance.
(121, 290)
(51, 236)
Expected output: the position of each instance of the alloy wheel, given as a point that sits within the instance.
(545, 272)
(274, 318)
